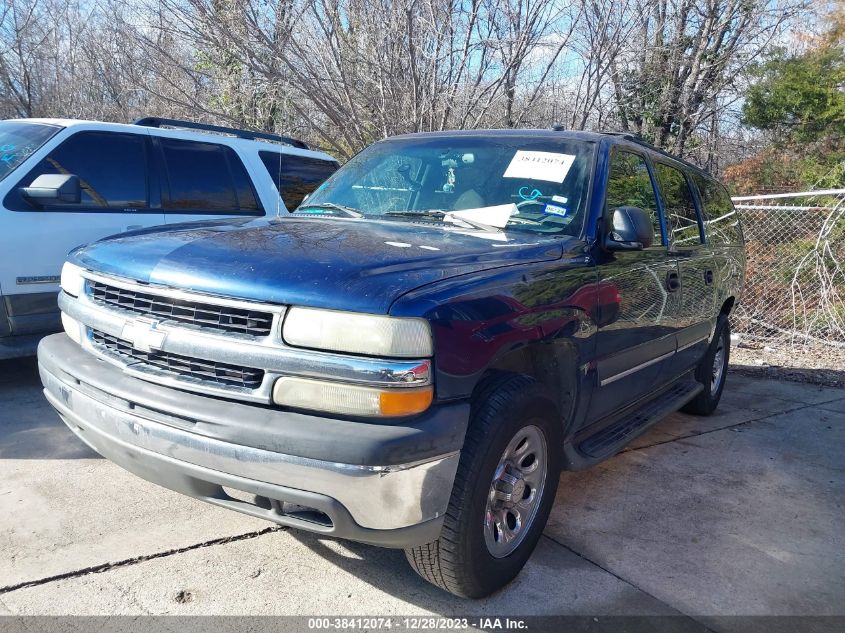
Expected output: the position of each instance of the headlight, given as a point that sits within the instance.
(72, 281)
(357, 333)
(333, 397)
(73, 328)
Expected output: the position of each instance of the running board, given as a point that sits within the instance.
(611, 439)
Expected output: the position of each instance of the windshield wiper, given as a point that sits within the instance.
(442, 215)
(431, 213)
(352, 213)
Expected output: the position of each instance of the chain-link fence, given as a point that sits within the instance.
(794, 299)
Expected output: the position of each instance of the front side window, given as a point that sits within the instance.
(18, 140)
(679, 205)
(538, 184)
(296, 177)
(205, 177)
(629, 185)
(721, 219)
(111, 168)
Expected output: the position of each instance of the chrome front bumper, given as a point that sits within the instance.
(395, 505)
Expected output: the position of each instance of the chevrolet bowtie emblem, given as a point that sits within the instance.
(144, 335)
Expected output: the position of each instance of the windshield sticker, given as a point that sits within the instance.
(553, 209)
(526, 193)
(561, 199)
(548, 166)
(9, 155)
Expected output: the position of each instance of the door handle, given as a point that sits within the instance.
(708, 277)
(673, 282)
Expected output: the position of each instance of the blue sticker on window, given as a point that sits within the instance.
(553, 209)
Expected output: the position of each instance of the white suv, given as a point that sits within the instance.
(64, 183)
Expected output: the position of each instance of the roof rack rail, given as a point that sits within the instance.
(159, 122)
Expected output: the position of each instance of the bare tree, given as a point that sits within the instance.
(352, 71)
(343, 73)
(684, 56)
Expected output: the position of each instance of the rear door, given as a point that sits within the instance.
(201, 180)
(34, 242)
(695, 265)
(633, 347)
(722, 234)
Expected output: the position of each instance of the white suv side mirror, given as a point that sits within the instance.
(54, 188)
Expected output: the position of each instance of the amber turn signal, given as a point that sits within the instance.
(405, 401)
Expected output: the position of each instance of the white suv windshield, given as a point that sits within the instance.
(540, 183)
(18, 140)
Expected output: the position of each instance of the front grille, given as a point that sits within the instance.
(204, 370)
(199, 314)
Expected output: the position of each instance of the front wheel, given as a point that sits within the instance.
(712, 370)
(504, 489)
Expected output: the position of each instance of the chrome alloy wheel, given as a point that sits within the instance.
(516, 491)
(718, 367)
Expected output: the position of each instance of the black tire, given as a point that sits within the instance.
(706, 402)
(460, 561)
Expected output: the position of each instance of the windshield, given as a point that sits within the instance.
(18, 140)
(526, 183)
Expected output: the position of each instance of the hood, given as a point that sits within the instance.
(356, 265)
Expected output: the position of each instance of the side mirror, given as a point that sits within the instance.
(53, 188)
(630, 230)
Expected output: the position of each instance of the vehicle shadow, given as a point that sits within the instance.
(556, 580)
(29, 427)
(552, 583)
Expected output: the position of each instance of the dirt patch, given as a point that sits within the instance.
(183, 597)
(817, 364)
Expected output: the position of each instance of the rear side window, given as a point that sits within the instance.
(679, 205)
(112, 171)
(205, 177)
(296, 176)
(721, 220)
(629, 185)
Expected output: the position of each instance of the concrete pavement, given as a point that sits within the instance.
(737, 514)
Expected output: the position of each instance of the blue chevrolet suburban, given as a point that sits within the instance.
(411, 357)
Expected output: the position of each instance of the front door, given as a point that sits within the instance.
(35, 239)
(633, 348)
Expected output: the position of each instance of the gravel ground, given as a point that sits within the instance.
(816, 364)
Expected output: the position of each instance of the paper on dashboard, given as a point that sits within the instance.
(496, 216)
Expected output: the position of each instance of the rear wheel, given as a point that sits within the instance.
(504, 489)
(712, 370)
